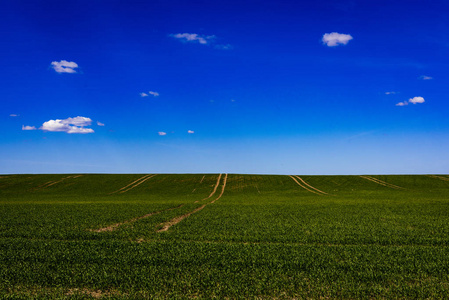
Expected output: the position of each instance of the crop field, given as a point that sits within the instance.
(76, 236)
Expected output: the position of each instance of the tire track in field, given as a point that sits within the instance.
(319, 191)
(304, 186)
(176, 220)
(50, 183)
(439, 177)
(133, 184)
(378, 181)
(137, 184)
(222, 190)
(116, 225)
(213, 191)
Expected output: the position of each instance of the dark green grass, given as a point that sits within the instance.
(265, 238)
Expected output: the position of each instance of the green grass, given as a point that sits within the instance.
(265, 238)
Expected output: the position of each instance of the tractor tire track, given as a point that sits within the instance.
(378, 181)
(176, 220)
(50, 183)
(126, 186)
(304, 187)
(439, 177)
(137, 184)
(302, 180)
(213, 191)
(116, 225)
(222, 190)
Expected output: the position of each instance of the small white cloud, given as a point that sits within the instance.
(143, 95)
(13, 115)
(99, 123)
(224, 47)
(390, 93)
(155, 94)
(414, 100)
(162, 133)
(28, 127)
(334, 39)
(193, 37)
(64, 66)
(190, 131)
(423, 77)
(69, 125)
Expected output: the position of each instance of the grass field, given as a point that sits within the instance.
(225, 236)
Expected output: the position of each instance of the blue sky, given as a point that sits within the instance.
(325, 87)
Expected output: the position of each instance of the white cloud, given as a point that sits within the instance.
(13, 115)
(78, 121)
(69, 125)
(99, 123)
(162, 133)
(193, 37)
(334, 39)
(190, 131)
(224, 47)
(423, 77)
(414, 100)
(390, 93)
(64, 66)
(155, 94)
(28, 127)
(143, 95)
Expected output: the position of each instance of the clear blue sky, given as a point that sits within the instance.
(275, 87)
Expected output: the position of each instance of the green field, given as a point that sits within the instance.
(225, 236)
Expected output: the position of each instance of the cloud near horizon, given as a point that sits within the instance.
(64, 66)
(334, 39)
(28, 127)
(69, 125)
(162, 133)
